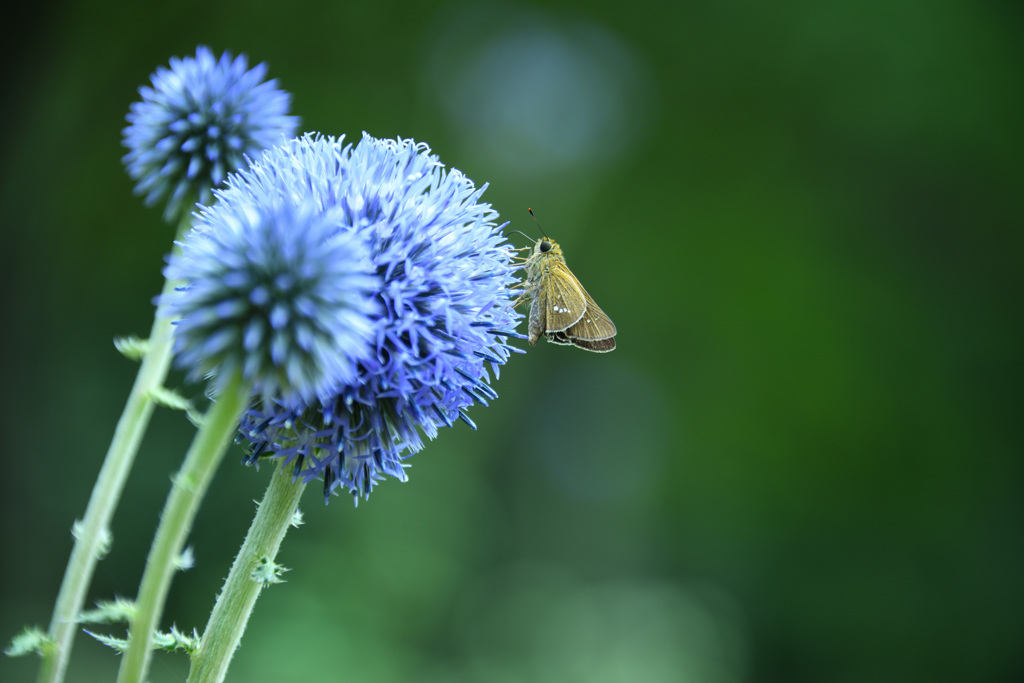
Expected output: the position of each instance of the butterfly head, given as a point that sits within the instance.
(546, 245)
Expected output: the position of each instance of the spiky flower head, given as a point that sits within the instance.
(196, 124)
(444, 306)
(275, 290)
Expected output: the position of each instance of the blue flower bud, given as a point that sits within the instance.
(196, 124)
(280, 292)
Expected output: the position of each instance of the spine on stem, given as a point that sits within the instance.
(253, 568)
(92, 533)
(189, 487)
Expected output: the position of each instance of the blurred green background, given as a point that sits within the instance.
(803, 462)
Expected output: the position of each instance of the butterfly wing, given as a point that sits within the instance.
(564, 301)
(594, 325)
(560, 338)
(597, 346)
(595, 331)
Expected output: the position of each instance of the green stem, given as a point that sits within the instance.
(236, 601)
(211, 441)
(93, 532)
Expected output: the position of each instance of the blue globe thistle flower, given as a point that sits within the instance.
(197, 123)
(277, 291)
(444, 313)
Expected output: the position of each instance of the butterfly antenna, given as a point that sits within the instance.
(523, 234)
(538, 223)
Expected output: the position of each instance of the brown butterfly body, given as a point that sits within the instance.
(559, 306)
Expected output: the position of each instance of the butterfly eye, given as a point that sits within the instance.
(545, 246)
